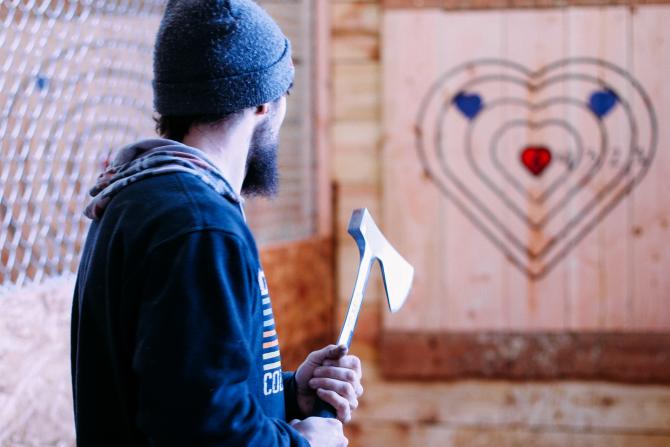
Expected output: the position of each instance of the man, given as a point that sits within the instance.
(173, 338)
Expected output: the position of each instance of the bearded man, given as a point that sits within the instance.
(173, 336)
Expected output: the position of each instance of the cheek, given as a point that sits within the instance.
(282, 112)
(276, 129)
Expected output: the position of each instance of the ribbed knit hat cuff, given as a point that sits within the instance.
(228, 94)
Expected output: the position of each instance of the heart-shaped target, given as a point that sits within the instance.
(489, 131)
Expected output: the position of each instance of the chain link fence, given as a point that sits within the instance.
(75, 85)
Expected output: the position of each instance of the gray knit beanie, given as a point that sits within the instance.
(217, 57)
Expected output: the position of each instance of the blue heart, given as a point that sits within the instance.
(602, 102)
(41, 81)
(469, 105)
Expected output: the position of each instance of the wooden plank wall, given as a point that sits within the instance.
(356, 142)
(478, 413)
(469, 231)
(612, 278)
(454, 413)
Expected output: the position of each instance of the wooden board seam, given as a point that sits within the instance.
(611, 356)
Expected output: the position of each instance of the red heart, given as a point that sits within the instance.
(536, 159)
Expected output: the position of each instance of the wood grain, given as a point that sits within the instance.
(505, 413)
(355, 32)
(527, 304)
(301, 284)
(35, 385)
(476, 287)
(356, 150)
(356, 92)
(629, 357)
(393, 434)
(414, 214)
(611, 281)
(650, 219)
(322, 97)
(599, 265)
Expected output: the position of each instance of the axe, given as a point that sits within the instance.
(397, 274)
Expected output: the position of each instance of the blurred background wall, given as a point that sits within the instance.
(554, 343)
(493, 347)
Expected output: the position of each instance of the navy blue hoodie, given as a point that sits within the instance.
(173, 337)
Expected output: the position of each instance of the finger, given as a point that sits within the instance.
(329, 352)
(294, 422)
(344, 389)
(344, 374)
(339, 403)
(335, 423)
(336, 372)
(348, 361)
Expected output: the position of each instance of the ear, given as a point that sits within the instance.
(263, 109)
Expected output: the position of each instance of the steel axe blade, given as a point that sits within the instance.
(397, 273)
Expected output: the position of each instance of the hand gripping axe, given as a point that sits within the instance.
(397, 274)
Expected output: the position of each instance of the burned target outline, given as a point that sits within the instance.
(600, 102)
(570, 163)
(586, 179)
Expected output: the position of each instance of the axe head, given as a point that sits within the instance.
(397, 273)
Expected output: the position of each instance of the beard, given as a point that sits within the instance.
(262, 176)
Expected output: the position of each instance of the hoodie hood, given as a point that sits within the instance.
(149, 158)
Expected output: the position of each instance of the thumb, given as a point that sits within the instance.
(294, 422)
(314, 360)
(333, 352)
(336, 352)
